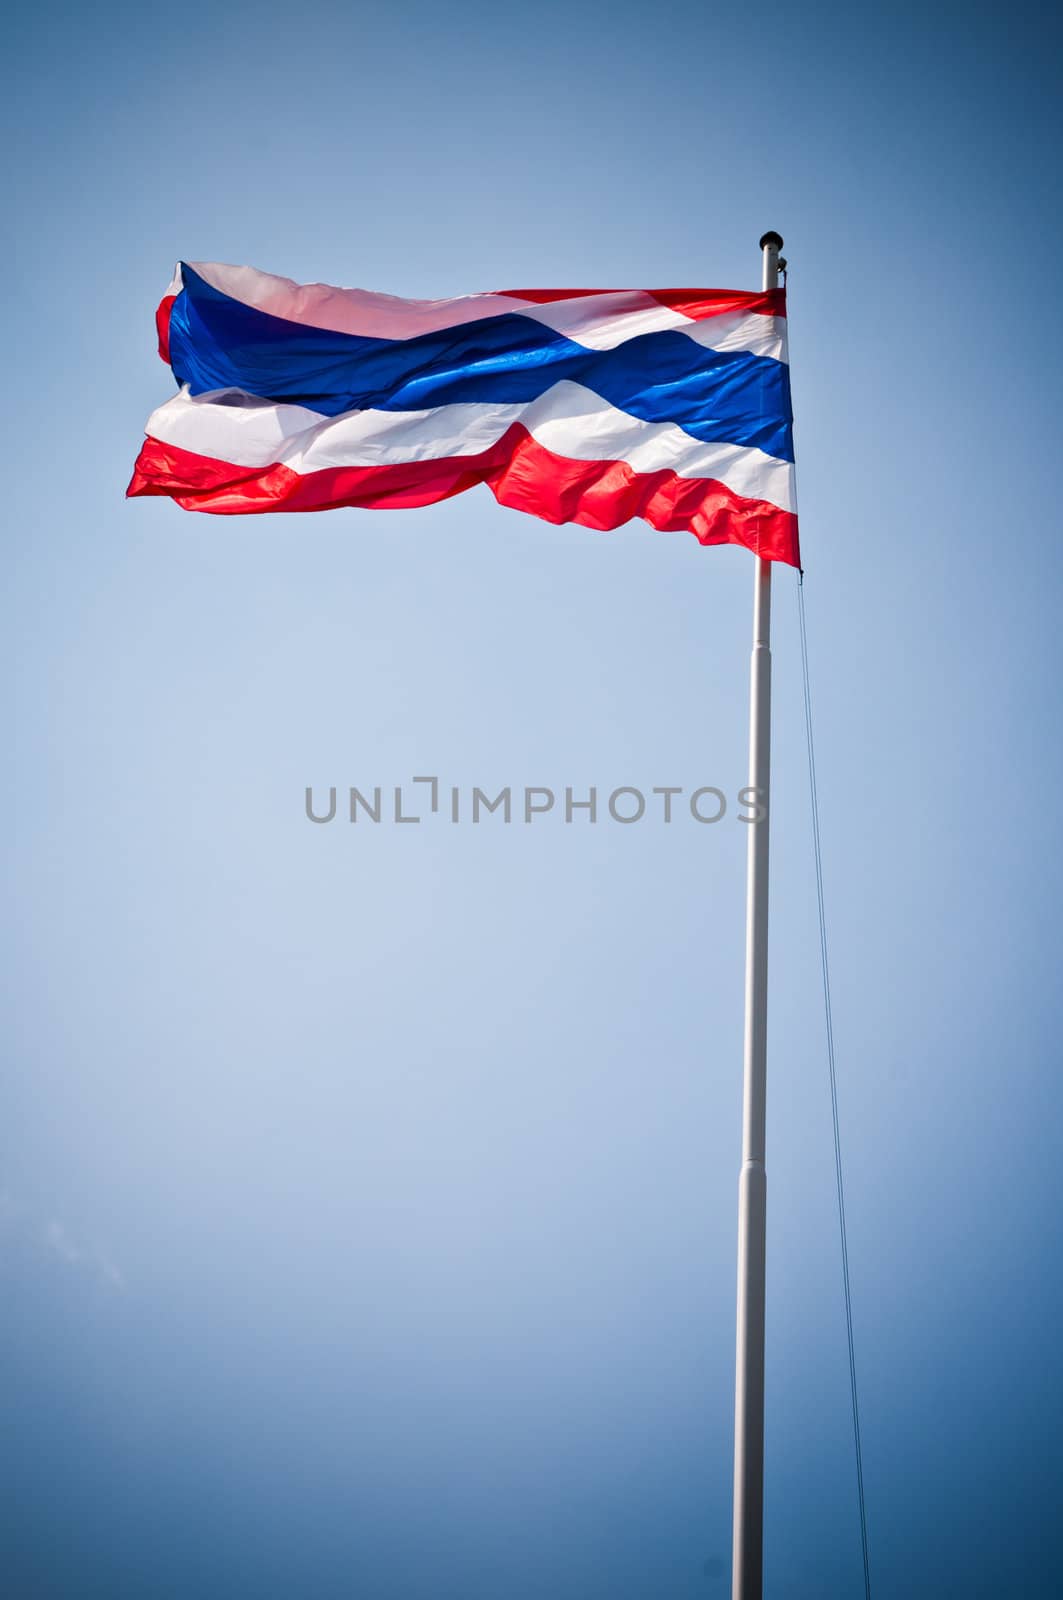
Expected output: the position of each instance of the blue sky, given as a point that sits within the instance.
(368, 1195)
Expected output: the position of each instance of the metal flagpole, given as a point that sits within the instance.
(748, 1559)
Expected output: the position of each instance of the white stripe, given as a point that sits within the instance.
(568, 419)
(603, 321)
(741, 330)
(598, 321)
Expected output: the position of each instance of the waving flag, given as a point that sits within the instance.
(577, 405)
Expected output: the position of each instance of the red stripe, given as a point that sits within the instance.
(543, 297)
(694, 303)
(162, 325)
(520, 472)
(702, 303)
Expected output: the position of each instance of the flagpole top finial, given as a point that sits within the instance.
(771, 238)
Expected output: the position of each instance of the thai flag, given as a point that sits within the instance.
(577, 405)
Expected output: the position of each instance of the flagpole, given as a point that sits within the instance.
(748, 1560)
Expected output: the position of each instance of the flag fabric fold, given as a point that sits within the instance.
(576, 405)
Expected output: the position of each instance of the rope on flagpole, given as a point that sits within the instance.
(817, 847)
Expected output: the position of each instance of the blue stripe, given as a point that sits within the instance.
(217, 342)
